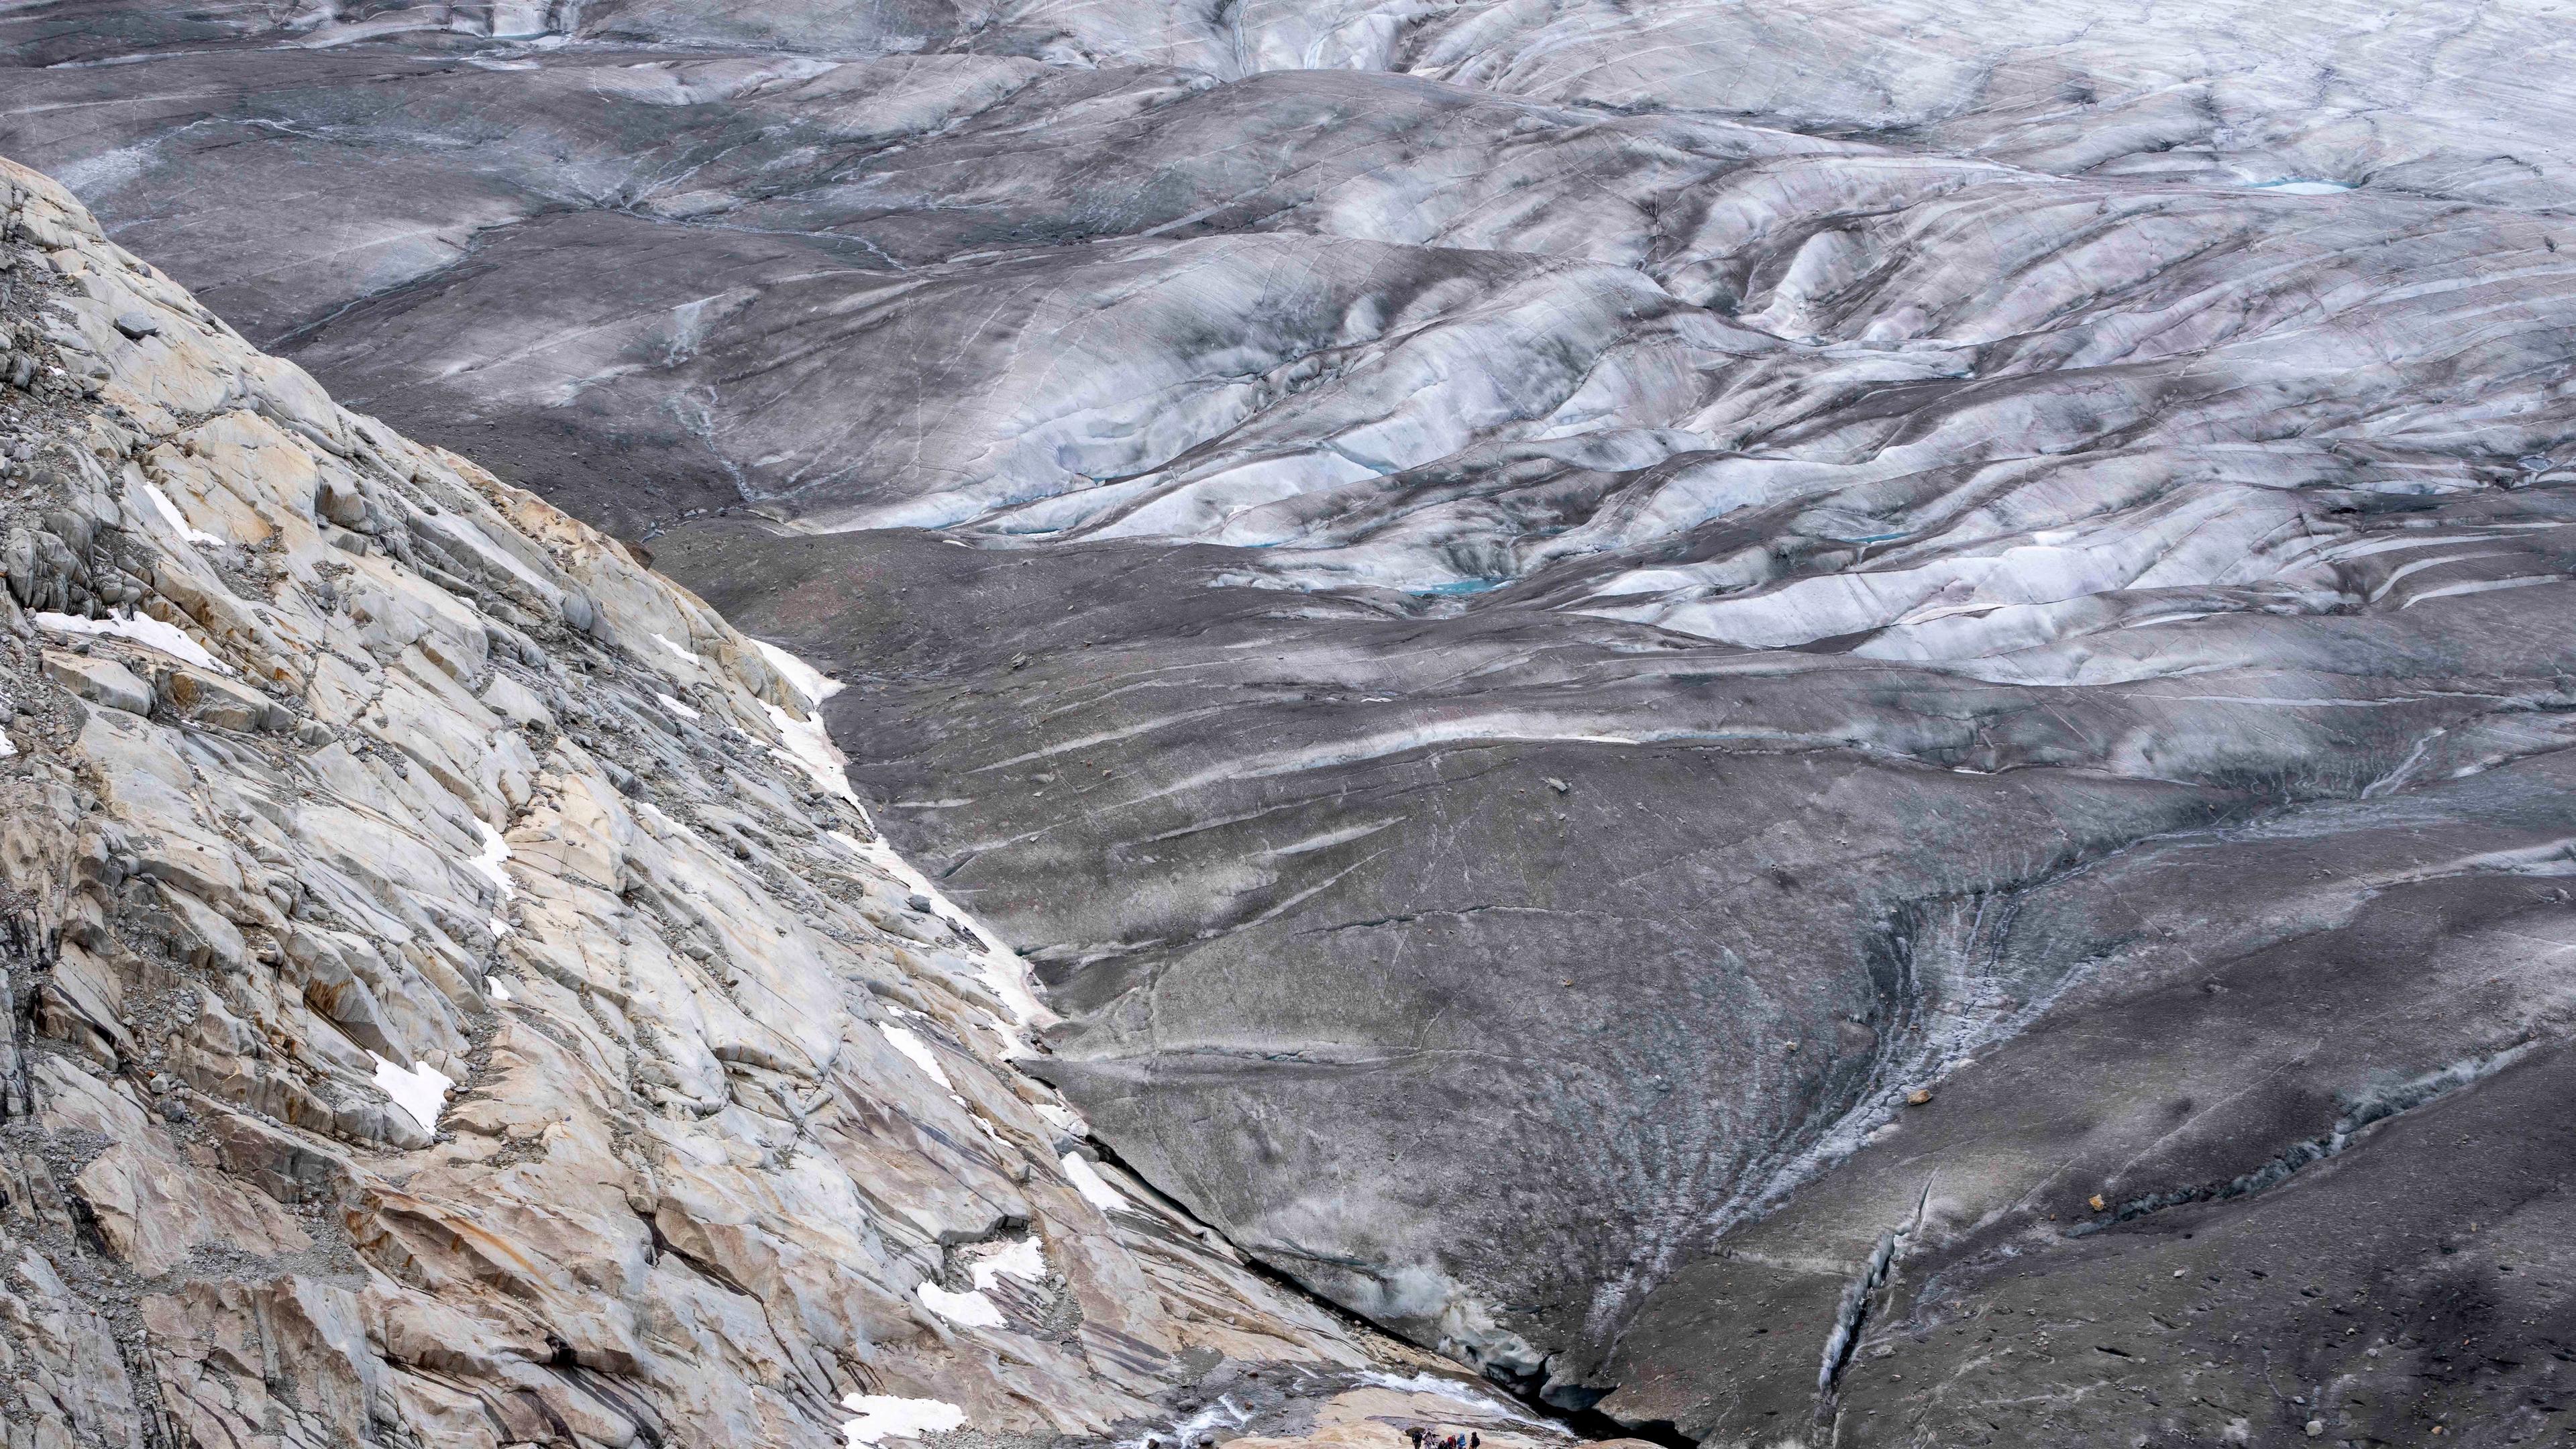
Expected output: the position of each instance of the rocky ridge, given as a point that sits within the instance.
(453, 997)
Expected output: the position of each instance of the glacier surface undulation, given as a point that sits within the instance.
(1538, 613)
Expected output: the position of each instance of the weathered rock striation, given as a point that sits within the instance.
(452, 997)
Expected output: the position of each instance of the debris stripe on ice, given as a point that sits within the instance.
(884, 1416)
(143, 629)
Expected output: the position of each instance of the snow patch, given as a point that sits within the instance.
(6, 749)
(1002, 969)
(904, 1040)
(810, 748)
(495, 851)
(1022, 1259)
(966, 1310)
(499, 991)
(809, 745)
(686, 655)
(675, 707)
(422, 1091)
(1064, 1119)
(178, 521)
(804, 678)
(883, 1416)
(1094, 1188)
(143, 629)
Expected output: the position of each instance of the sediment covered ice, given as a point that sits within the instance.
(1652, 684)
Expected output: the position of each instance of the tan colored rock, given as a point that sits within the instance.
(283, 1362)
(148, 1201)
(100, 681)
(73, 1378)
(218, 703)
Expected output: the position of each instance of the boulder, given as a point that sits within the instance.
(100, 680)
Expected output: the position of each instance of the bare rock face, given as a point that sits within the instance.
(1840, 724)
(454, 998)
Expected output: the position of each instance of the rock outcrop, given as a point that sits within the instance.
(452, 997)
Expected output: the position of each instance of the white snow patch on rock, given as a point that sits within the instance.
(500, 992)
(1094, 1188)
(495, 851)
(803, 677)
(883, 1416)
(422, 1091)
(906, 1041)
(966, 1310)
(809, 745)
(1002, 969)
(178, 521)
(689, 656)
(675, 707)
(810, 748)
(143, 629)
(1022, 1259)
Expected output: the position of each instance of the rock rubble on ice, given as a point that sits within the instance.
(2032, 535)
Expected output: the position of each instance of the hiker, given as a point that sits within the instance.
(1415, 1434)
